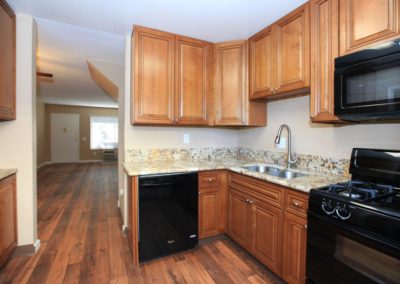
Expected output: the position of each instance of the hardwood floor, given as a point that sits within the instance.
(79, 225)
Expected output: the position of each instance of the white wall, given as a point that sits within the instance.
(318, 139)
(18, 137)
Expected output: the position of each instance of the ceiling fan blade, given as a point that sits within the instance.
(42, 74)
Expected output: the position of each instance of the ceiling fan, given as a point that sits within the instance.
(43, 74)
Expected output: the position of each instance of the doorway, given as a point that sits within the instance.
(64, 137)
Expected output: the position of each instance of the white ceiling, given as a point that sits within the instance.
(71, 32)
(63, 50)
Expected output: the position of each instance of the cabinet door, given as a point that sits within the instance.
(324, 18)
(7, 62)
(367, 22)
(193, 67)
(209, 200)
(262, 57)
(294, 249)
(238, 225)
(8, 217)
(231, 93)
(153, 76)
(293, 51)
(266, 235)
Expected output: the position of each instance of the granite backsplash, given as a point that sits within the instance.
(328, 165)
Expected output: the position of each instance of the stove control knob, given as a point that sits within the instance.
(327, 206)
(343, 212)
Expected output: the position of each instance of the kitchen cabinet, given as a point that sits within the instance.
(255, 218)
(364, 23)
(7, 62)
(295, 237)
(266, 236)
(280, 57)
(324, 17)
(294, 248)
(8, 217)
(153, 61)
(269, 221)
(193, 64)
(238, 217)
(293, 51)
(232, 105)
(171, 79)
(212, 203)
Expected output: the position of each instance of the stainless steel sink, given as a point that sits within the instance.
(274, 171)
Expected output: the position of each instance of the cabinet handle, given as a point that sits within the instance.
(296, 204)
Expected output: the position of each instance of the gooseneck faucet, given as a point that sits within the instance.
(290, 160)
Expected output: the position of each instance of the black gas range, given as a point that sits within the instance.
(354, 227)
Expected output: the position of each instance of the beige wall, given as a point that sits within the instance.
(85, 153)
(41, 132)
(318, 139)
(18, 137)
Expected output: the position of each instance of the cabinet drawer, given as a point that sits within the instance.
(296, 203)
(262, 190)
(209, 179)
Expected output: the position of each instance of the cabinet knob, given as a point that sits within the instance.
(210, 180)
(199, 193)
(305, 226)
(296, 204)
(251, 201)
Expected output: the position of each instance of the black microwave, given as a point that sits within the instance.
(367, 83)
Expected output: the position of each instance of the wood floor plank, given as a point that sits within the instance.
(80, 227)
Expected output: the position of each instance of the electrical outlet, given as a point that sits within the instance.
(186, 138)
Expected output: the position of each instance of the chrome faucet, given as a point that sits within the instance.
(290, 160)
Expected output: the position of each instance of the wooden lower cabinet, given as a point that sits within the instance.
(238, 218)
(294, 248)
(8, 217)
(266, 235)
(274, 232)
(212, 203)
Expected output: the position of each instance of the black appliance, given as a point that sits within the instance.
(367, 83)
(167, 214)
(354, 228)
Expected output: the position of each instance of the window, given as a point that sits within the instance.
(103, 132)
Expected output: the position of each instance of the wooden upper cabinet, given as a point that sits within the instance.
(262, 56)
(193, 75)
(324, 18)
(232, 105)
(280, 57)
(293, 51)
(7, 62)
(367, 22)
(153, 82)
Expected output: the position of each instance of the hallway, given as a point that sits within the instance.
(79, 225)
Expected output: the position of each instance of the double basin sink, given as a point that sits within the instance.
(274, 171)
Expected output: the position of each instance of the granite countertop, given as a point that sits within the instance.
(304, 183)
(6, 173)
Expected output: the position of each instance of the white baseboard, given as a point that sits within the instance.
(43, 164)
(81, 161)
(36, 245)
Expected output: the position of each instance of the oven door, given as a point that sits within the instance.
(336, 254)
(369, 90)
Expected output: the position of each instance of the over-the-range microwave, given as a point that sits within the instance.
(367, 83)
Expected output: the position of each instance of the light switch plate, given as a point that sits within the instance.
(186, 138)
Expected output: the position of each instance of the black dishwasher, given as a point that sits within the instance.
(167, 214)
